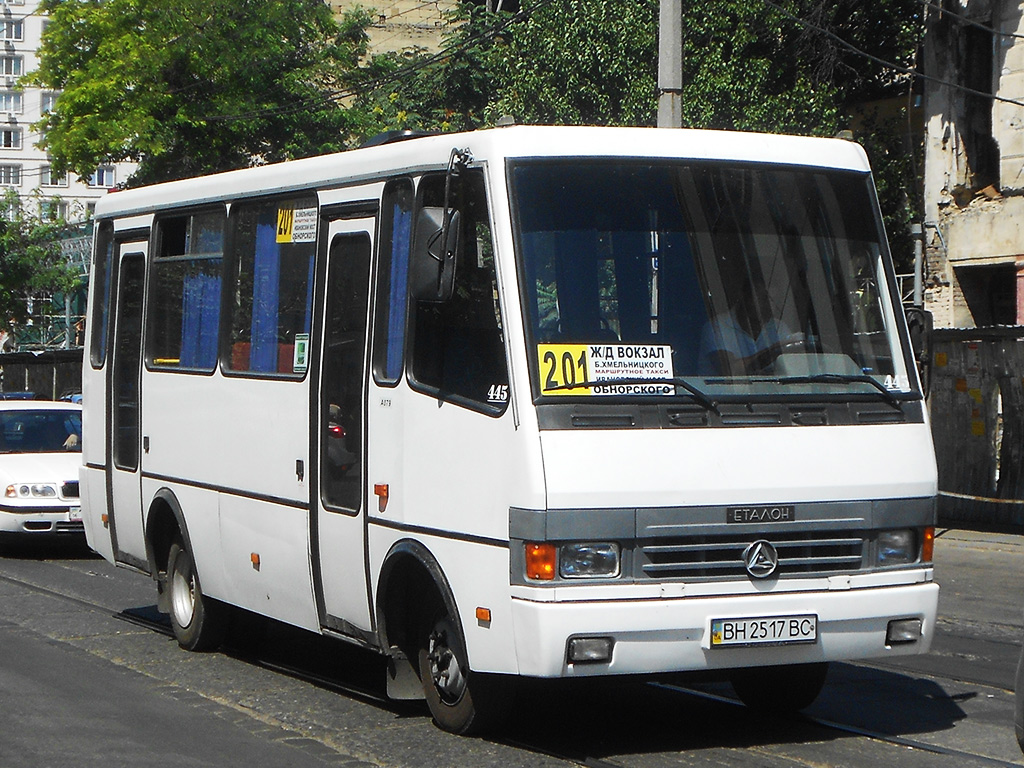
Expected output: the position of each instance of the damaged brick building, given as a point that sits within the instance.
(974, 162)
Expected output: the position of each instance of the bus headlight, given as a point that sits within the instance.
(589, 560)
(897, 547)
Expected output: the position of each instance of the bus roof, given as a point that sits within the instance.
(426, 153)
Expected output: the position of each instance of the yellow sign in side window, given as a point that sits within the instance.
(296, 225)
(285, 222)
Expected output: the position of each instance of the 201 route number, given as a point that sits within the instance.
(562, 368)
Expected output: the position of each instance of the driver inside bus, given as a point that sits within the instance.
(746, 336)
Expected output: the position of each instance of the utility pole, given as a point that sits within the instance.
(670, 64)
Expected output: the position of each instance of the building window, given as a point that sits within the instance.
(48, 102)
(10, 175)
(13, 30)
(47, 177)
(102, 177)
(11, 65)
(53, 209)
(10, 138)
(10, 101)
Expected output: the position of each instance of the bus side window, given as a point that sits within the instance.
(458, 346)
(100, 299)
(185, 290)
(392, 282)
(273, 249)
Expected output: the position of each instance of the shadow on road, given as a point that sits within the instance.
(580, 719)
(48, 547)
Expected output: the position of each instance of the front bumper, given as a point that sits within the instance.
(673, 635)
(60, 518)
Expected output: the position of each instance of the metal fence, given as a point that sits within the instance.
(48, 375)
(977, 412)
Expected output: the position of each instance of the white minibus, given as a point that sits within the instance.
(528, 402)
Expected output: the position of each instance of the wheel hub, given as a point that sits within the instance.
(183, 599)
(445, 671)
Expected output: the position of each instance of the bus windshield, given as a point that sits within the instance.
(658, 278)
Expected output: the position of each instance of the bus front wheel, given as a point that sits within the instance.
(460, 700)
(784, 689)
(199, 622)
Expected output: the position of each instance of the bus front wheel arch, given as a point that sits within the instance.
(421, 623)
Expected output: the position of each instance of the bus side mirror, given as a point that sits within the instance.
(435, 251)
(919, 324)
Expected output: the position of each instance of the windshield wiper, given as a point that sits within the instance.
(837, 378)
(693, 391)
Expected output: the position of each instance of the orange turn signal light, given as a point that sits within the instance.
(928, 545)
(541, 560)
(381, 491)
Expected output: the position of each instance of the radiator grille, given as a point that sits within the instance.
(812, 553)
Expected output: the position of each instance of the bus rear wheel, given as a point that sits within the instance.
(460, 700)
(199, 622)
(785, 689)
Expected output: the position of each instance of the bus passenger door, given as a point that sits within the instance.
(123, 399)
(339, 530)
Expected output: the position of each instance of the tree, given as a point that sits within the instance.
(31, 260)
(783, 66)
(193, 86)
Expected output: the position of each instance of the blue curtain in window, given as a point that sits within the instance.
(400, 239)
(265, 295)
(200, 317)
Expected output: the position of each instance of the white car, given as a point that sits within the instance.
(40, 453)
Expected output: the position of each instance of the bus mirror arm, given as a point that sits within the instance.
(919, 324)
(439, 236)
(435, 252)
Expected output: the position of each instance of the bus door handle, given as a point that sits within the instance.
(300, 470)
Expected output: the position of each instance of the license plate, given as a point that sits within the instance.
(765, 630)
(75, 514)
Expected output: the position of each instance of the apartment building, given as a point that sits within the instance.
(24, 167)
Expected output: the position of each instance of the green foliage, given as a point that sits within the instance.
(193, 86)
(31, 261)
(779, 66)
(774, 66)
(431, 92)
(895, 172)
(579, 62)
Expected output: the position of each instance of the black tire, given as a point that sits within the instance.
(460, 701)
(782, 690)
(199, 622)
